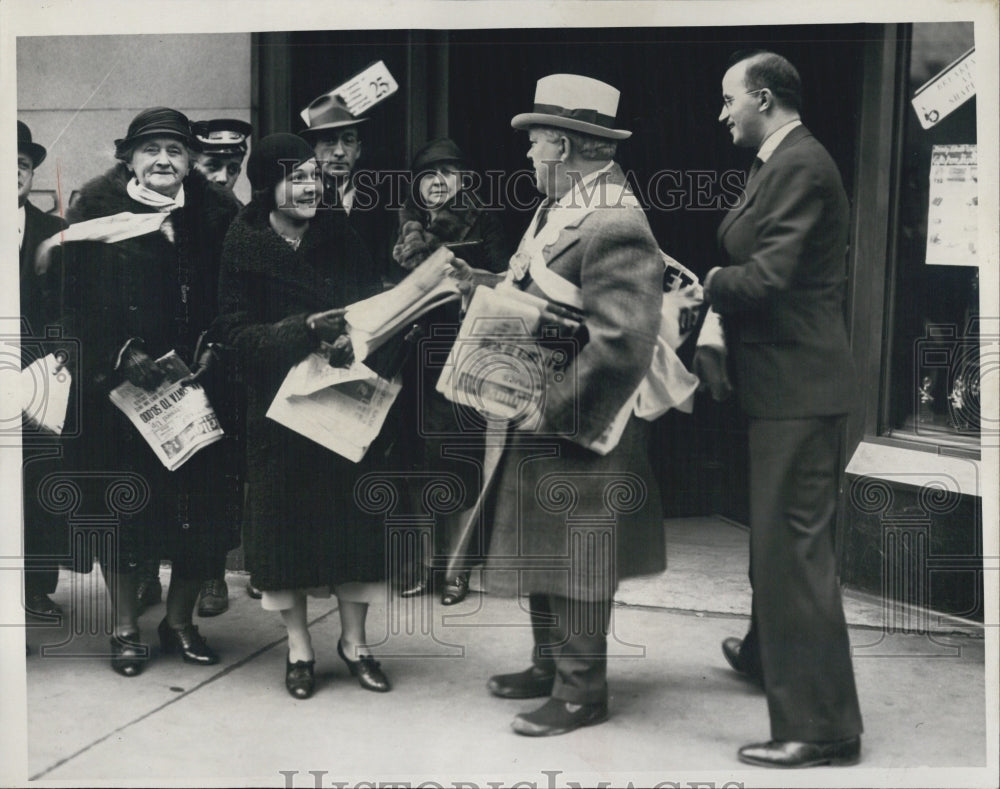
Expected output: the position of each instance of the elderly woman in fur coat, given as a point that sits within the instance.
(287, 273)
(442, 210)
(131, 295)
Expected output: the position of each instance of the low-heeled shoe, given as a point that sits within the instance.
(367, 670)
(188, 641)
(421, 586)
(559, 717)
(214, 598)
(300, 678)
(789, 753)
(148, 591)
(42, 606)
(455, 589)
(740, 662)
(532, 683)
(128, 655)
(253, 591)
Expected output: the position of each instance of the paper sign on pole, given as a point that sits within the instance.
(362, 91)
(937, 98)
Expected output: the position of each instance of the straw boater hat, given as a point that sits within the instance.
(580, 104)
(25, 143)
(328, 112)
(222, 136)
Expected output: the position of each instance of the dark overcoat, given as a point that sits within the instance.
(165, 292)
(303, 527)
(581, 520)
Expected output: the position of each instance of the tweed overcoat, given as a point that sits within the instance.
(577, 519)
(303, 527)
(164, 292)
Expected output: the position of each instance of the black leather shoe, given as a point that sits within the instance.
(253, 591)
(532, 683)
(789, 753)
(741, 662)
(214, 597)
(556, 716)
(188, 641)
(367, 670)
(422, 585)
(41, 605)
(148, 591)
(455, 589)
(300, 678)
(128, 656)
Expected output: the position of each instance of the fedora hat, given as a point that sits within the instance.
(580, 104)
(327, 112)
(222, 136)
(24, 143)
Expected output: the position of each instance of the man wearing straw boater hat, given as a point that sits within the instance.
(588, 248)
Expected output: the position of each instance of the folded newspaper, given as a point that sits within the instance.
(510, 347)
(176, 421)
(44, 390)
(373, 321)
(340, 408)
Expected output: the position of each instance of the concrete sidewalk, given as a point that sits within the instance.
(678, 713)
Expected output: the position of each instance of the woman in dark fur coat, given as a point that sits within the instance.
(283, 270)
(130, 298)
(439, 211)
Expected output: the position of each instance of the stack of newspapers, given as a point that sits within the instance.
(176, 421)
(373, 321)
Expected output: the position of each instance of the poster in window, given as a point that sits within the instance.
(953, 206)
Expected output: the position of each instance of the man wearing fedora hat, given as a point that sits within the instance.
(589, 248)
(335, 135)
(41, 530)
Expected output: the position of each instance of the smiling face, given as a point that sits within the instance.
(741, 109)
(439, 185)
(338, 150)
(297, 195)
(25, 175)
(160, 164)
(220, 169)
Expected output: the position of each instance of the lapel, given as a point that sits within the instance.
(565, 240)
(32, 231)
(791, 138)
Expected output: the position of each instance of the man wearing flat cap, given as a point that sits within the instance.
(222, 146)
(335, 135)
(41, 530)
(567, 521)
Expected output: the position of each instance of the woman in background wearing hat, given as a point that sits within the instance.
(284, 281)
(441, 210)
(131, 298)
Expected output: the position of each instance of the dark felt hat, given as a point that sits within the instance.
(274, 157)
(24, 143)
(222, 136)
(326, 113)
(437, 151)
(154, 122)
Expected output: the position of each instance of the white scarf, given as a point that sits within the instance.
(143, 194)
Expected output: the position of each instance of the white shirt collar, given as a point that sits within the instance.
(775, 138)
(21, 218)
(569, 199)
(346, 191)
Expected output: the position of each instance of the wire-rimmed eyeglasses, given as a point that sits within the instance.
(727, 101)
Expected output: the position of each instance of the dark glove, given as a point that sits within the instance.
(327, 326)
(710, 367)
(140, 369)
(415, 245)
(341, 352)
(206, 362)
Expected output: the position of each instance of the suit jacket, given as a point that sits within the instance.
(35, 308)
(781, 295)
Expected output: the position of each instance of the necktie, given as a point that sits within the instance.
(543, 214)
(757, 164)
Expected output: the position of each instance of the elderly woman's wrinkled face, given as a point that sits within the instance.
(298, 194)
(438, 186)
(160, 164)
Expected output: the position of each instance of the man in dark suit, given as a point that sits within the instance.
(781, 298)
(41, 529)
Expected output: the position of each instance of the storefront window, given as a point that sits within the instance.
(933, 383)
